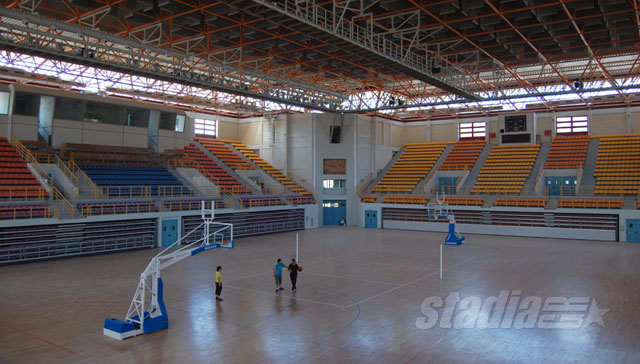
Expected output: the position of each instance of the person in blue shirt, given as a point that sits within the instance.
(277, 274)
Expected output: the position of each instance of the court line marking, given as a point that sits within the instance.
(411, 282)
(355, 303)
(317, 261)
(380, 329)
(25, 332)
(293, 297)
(353, 320)
(393, 323)
(352, 279)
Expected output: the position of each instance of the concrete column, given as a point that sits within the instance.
(154, 125)
(12, 97)
(45, 117)
(535, 129)
(285, 147)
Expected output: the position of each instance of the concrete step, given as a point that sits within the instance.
(434, 170)
(473, 174)
(227, 168)
(489, 201)
(537, 167)
(384, 171)
(266, 177)
(630, 203)
(588, 180)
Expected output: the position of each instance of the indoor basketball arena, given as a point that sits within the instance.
(346, 181)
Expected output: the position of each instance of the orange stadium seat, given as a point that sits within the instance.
(224, 153)
(268, 168)
(590, 203)
(463, 156)
(521, 202)
(567, 152)
(16, 179)
(413, 165)
(617, 169)
(506, 169)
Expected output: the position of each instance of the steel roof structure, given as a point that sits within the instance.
(409, 60)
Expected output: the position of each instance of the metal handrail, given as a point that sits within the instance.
(112, 209)
(25, 153)
(365, 182)
(56, 195)
(49, 212)
(84, 179)
(305, 184)
(14, 192)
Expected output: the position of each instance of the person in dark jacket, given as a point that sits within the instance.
(293, 273)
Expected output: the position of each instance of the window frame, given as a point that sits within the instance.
(205, 127)
(572, 125)
(472, 130)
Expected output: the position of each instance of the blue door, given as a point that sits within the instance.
(334, 213)
(633, 231)
(169, 232)
(569, 186)
(553, 184)
(371, 219)
(447, 185)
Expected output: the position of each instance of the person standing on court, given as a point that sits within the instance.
(218, 283)
(293, 273)
(277, 274)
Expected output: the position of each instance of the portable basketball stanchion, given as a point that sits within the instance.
(153, 317)
(442, 210)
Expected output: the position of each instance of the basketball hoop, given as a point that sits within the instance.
(437, 210)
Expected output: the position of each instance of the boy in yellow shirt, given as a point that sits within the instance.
(218, 283)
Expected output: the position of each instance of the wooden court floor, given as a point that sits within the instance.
(359, 299)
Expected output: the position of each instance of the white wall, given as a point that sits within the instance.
(365, 146)
(4, 127)
(300, 145)
(324, 149)
(24, 127)
(134, 137)
(415, 133)
(537, 232)
(228, 129)
(106, 134)
(384, 148)
(69, 131)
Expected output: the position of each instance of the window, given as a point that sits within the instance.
(334, 183)
(137, 117)
(474, 130)
(205, 127)
(4, 103)
(103, 113)
(167, 121)
(572, 124)
(179, 124)
(69, 109)
(26, 104)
